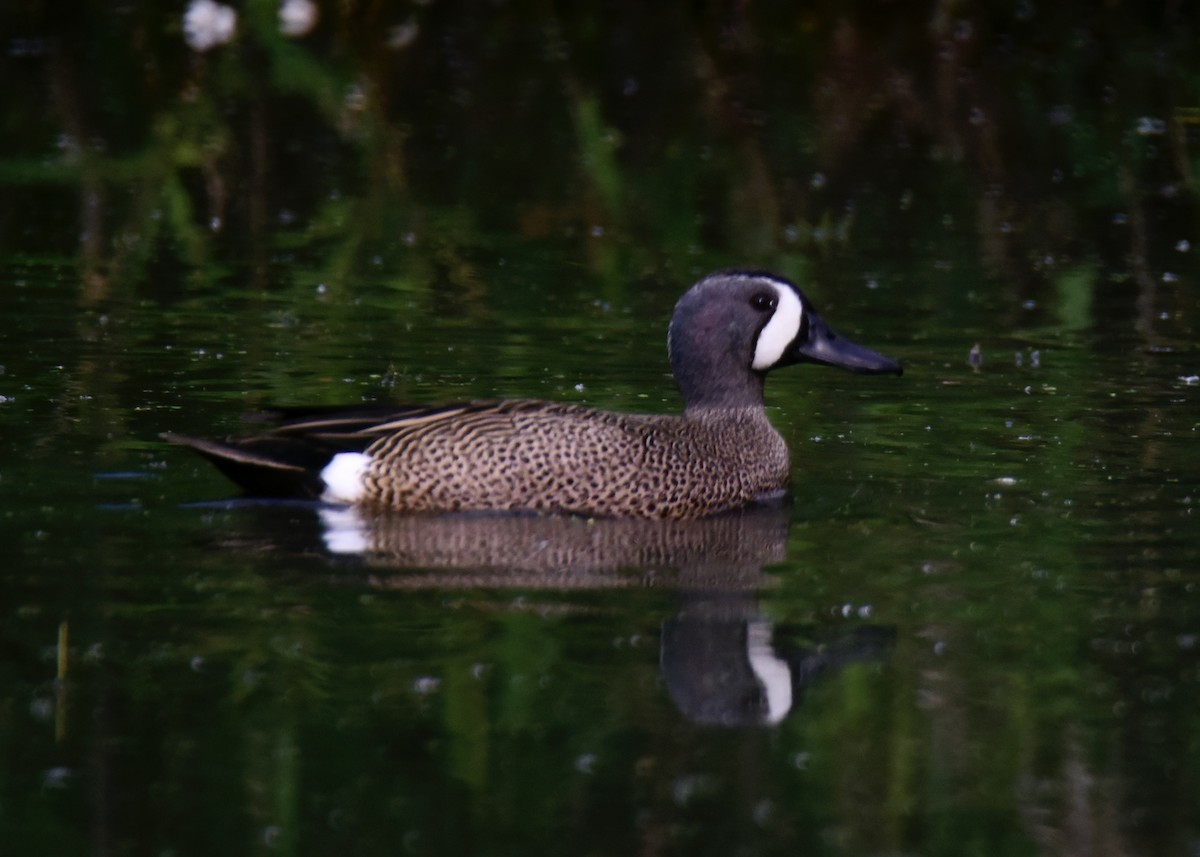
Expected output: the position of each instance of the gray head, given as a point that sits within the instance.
(733, 327)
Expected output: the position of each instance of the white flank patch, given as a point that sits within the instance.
(771, 670)
(344, 477)
(345, 532)
(780, 331)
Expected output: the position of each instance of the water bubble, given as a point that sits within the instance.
(1149, 126)
(1060, 115)
(403, 35)
(586, 763)
(426, 685)
(763, 811)
(41, 708)
(56, 778)
(26, 47)
(355, 98)
(688, 787)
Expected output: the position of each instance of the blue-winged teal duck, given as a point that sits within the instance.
(727, 332)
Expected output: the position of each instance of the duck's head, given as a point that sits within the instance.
(732, 327)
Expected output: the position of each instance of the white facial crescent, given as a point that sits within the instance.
(780, 331)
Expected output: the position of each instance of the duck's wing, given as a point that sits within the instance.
(266, 465)
(286, 460)
(355, 428)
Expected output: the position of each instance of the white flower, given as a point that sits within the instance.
(297, 17)
(207, 24)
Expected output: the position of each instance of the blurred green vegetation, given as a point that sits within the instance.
(650, 139)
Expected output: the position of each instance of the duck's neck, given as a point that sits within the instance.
(719, 388)
(711, 362)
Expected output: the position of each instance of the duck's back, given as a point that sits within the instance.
(551, 457)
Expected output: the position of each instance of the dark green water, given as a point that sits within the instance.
(984, 593)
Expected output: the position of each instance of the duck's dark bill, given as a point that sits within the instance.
(823, 345)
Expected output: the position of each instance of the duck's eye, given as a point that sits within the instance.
(764, 302)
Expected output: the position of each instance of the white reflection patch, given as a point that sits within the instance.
(344, 530)
(771, 670)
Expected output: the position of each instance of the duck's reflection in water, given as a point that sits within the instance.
(722, 661)
(726, 665)
(727, 552)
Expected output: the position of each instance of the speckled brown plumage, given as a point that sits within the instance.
(551, 457)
